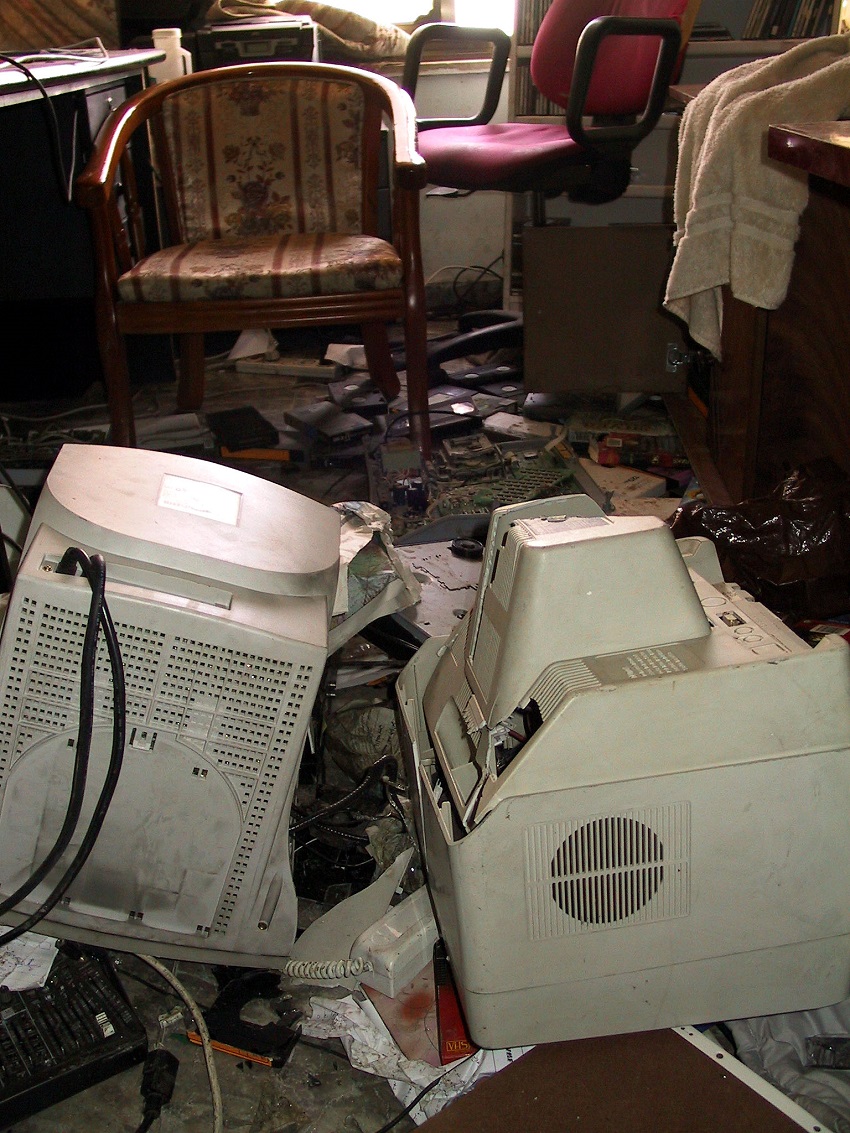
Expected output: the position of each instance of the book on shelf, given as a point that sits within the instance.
(528, 100)
(792, 19)
(529, 15)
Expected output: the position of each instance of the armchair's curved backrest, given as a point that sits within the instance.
(247, 157)
(622, 76)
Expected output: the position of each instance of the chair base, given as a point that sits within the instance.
(479, 332)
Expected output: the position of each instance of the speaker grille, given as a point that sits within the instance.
(612, 869)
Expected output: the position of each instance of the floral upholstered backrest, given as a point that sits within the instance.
(256, 157)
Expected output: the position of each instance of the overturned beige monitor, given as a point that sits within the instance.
(631, 783)
(220, 586)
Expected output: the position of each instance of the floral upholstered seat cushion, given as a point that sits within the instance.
(270, 267)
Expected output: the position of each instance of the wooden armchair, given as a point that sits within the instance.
(268, 183)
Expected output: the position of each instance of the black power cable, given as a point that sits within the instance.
(66, 176)
(158, 1076)
(8, 480)
(411, 1105)
(99, 617)
(95, 570)
(373, 774)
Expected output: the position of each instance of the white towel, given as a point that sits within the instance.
(737, 211)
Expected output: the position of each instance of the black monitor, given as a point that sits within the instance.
(138, 18)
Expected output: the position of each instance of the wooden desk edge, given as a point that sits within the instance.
(819, 148)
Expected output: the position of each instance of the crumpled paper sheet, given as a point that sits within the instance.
(26, 962)
(774, 1046)
(371, 1047)
(397, 588)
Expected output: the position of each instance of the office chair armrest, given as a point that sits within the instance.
(501, 44)
(620, 136)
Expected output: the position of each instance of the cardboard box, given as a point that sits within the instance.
(628, 483)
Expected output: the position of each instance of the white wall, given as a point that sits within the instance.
(458, 231)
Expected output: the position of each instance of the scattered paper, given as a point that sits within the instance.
(371, 1047)
(26, 962)
(252, 342)
(374, 585)
(344, 354)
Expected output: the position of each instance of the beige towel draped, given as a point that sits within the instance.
(736, 211)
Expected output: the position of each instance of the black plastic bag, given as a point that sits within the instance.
(791, 549)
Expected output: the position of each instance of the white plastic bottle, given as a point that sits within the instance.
(177, 61)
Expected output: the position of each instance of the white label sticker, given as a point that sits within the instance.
(196, 498)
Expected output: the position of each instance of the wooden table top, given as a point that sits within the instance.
(61, 75)
(819, 148)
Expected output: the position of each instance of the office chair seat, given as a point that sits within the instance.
(513, 157)
(273, 267)
(607, 65)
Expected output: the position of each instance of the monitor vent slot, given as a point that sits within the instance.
(486, 654)
(141, 650)
(243, 788)
(239, 710)
(607, 871)
(559, 681)
(42, 714)
(235, 762)
(505, 565)
(41, 684)
(59, 639)
(52, 689)
(653, 662)
(467, 706)
(250, 833)
(16, 672)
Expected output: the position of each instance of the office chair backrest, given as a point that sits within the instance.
(623, 73)
(250, 158)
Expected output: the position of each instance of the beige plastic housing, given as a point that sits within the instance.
(220, 586)
(668, 846)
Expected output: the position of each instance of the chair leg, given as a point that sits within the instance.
(190, 387)
(116, 376)
(382, 371)
(416, 356)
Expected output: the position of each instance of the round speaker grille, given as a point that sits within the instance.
(607, 870)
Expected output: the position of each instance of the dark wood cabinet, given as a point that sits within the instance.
(46, 260)
(781, 394)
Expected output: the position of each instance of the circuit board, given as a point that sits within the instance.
(474, 475)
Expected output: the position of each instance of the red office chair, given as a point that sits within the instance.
(608, 64)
